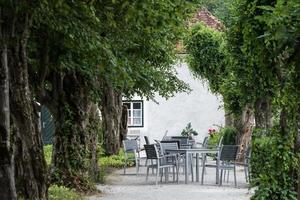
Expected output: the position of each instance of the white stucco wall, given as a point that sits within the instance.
(200, 107)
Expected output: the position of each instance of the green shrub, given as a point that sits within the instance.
(115, 161)
(62, 193)
(229, 135)
(273, 167)
(214, 139)
(48, 154)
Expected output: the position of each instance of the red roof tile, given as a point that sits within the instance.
(208, 19)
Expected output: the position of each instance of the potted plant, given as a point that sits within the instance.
(189, 131)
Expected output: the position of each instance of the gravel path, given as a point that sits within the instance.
(132, 187)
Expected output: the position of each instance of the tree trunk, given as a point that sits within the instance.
(7, 180)
(70, 151)
(244, 138)
(30, 166)
(30, 162)
(243, 123)
(229, 118)
(297, 148)
(94, 130)
(74, 154)
(263, 113)
(111, 113)
(124, 127)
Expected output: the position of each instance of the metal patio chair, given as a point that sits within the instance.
(161, 163)
(184, 140)
(227, 161)
(246, 164)
(174, 145)
(131, 146)
(147, 140)
(247, 168)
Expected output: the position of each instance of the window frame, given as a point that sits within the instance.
(131, 110)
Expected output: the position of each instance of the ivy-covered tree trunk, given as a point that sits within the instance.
(263, 113)
(7, 180)
(111, 115)
(94, 130)
(71, 112)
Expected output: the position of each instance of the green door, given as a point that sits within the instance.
(48, 126)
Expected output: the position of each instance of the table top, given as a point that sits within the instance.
(194, 150)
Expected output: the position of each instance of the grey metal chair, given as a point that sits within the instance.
(226, 161)
(175, 144)
(147, 140)
(204, 145)
(205, 142)
(215, 155)
(184, 140)
(131, 146)
(164, 145)
(161, 163)
(246, 164)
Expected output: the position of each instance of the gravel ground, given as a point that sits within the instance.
(132, 187)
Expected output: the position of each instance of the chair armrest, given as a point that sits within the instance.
(170, 155)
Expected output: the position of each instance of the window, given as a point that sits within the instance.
(135, 113)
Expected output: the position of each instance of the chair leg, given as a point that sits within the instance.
(125, 165)
(234, 172)
(173, 173)
(203, 172)
(205, 158)
(246, 173)
(166, 174)
(177, 173)
(192, 169)
(153, 167)
(137, 165)
(221, 176)
(156, 179)
(228, 176)
(147, 173)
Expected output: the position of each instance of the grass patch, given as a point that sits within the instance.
(48, 154)
(108, 163)
(62, 193)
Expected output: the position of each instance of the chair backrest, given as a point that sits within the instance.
(229, 152)
(151, 151)
(130, 145)
(184, 140)
(220, 142)
(247, 155)
(205, 142)
(146, 140)
(169, 145)
(166, 138)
